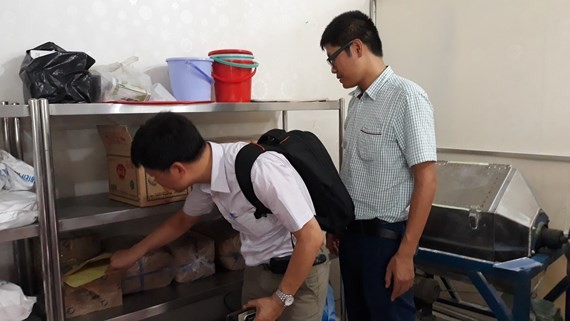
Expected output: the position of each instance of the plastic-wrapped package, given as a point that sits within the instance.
(227, 242)
(152, 271)
(121, 81)
(17, 209)
(15, 174)
(14, 306)
(193, 257)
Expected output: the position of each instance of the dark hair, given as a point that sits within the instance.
(352, 25)
(164, 139)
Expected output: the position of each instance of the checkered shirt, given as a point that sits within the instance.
(389, 129)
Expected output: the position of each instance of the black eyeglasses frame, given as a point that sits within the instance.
(335, 54)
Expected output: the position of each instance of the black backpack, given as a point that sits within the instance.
(333, 204)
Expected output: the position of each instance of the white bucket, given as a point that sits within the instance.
(191, 78)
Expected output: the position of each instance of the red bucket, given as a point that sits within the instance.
(233, 79)
(229, 51)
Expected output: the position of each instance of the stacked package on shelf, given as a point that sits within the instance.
(193, 257)
(152, 271)
(81, 262)
(88, 288)
(76, 248)
(227, 242)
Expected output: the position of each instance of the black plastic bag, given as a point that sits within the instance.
(60, 77)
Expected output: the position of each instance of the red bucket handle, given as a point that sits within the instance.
(222, 79)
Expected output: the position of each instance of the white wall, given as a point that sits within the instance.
(497, 74)
(496, 71)
(283, 35)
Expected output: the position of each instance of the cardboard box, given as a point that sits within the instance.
(76, 248)
(88, 289)
(127, 183)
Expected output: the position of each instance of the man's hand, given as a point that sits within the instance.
(333, 243)
(266, 309)
(123, 260)
(401, 272)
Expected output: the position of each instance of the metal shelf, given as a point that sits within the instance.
(9, 111)
(96, 210)
(155, 302)
(19, 233)
(118, 109)
(93, 210)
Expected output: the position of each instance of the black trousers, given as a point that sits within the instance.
(364, 255)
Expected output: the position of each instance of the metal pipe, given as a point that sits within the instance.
(567, 254)
(285, 120)
(24, 269)
(58, 309)
(373, 11)
(341, 116)
(6, 130)
(17, 142)
(41, 194)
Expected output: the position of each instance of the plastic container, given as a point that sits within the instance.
(191, 78)
(233, 79)
(229, 52)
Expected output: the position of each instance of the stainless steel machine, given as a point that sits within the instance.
(487, 211)
(486, 226)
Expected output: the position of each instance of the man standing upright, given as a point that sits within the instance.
(388, 167)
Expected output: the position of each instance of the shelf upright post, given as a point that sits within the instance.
(284, 120)
(52, 227)
(6, 129)
(41, 194)
(341, 116)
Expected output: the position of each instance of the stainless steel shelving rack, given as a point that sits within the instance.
(95, 210)
(11, 116)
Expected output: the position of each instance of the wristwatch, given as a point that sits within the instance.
(287, 299)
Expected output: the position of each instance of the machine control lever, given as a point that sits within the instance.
(474, 217)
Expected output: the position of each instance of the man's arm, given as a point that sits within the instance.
(309, 238)
(170, 230)
(401, 267)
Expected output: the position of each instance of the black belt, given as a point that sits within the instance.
(375, 227)
(278, 265)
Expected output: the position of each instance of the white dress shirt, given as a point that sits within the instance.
(276, 184)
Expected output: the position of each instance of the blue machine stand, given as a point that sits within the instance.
(518, 274)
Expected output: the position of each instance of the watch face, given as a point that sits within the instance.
(289, 300)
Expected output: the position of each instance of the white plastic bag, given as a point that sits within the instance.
(17, 209)
(120, 81)
(14, 305)
(159, 93)
(15, 175)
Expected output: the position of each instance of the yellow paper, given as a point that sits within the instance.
(88, 272)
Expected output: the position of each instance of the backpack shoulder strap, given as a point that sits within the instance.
(244, 162)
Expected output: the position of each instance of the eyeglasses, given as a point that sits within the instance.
(335, 54)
